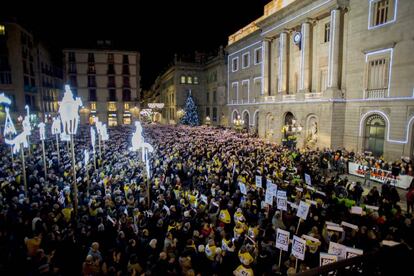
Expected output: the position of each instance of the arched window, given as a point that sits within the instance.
(190, 80)
(374, 135)
(182, 79)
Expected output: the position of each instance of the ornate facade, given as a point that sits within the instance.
(329, 73)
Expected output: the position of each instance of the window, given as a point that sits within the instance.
(72, 68)
(5, 77)
(112, 107)
(125, 59)
(112, 95)
(214, 96)
(214, 114)
(125, 69)
(73, 81)
(234, 92)
(235, 64)
(91, 57)
(245, 90)
(258, 55)
(110, 58)
(208, 111)
(92, 95)
(374, 135)
(126, 95)
(91, 69)
(91, 81)
(381, 12)
(71, 57)
(246, 60)
(182, 79)
(111, 69)
(257, 86)
(208, 97)
(93, 106)
(111, 81)
(327, 34)
(112, 120)
(377, 74)
(126, 106)
(190, 80)
(195, 80)
(125, 81)
(2, 30)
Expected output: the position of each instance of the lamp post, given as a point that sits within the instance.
(69, 114)
(238, 123)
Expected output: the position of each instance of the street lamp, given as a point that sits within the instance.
(238, 123)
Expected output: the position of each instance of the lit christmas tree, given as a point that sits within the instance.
(190, 116)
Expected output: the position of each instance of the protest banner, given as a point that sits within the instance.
(258, 181)
(298, 248)
(243, 189)
(337, 249)
(308, 179)
(282, 242)
(326, 258)
(269, 197)
(281, 203)
(353, 252)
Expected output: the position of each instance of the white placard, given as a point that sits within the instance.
(321, 193)
(303, 210)
(243, 189)
(292, 205)
(325, 258)
(281, 203)
(268, 182)
(356, 210)
(204, 198)
(308, 179)
(258, 181)
(273, 189)
(299, 189)
(282, 239)
(353, 252)
(334, 228)
(269, 197)
(332, 223)
(389, 243)
(310, 188)
(337, 249)
(349, 225)
(281, 193)
(298, 248)
(375, 208)
(310, 238)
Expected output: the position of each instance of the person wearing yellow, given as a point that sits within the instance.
(244, 269)
(224, 216)
(210, 250)
(239, 229)
(238, 215)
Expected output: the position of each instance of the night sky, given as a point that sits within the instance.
(158, 29)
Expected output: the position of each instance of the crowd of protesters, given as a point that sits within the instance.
(194, 220)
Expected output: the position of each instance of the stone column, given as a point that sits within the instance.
(282, 69)
(305, 56)
(333, 57)
(266, 66)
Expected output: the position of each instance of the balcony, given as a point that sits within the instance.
(290, 97)
(375, 93)
(313, 96)
(111, 99)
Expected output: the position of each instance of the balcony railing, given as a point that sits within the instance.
(375, 93)
(291, 97)
(311, 96)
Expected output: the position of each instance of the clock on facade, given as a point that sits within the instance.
(297, 37)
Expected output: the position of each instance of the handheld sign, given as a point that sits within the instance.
(337, 249)
(281, 203)
(269, 197)
(258, 181)
(298, 248)
(308, 179)
(356, 210)
(282, 239)
(353, 252)
(325, 258)
(303, 210)
(273, 189)
(243, 189)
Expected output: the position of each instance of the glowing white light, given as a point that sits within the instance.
(21, 139)
(104, 133)
(139, 143)
(86, 154)
(42, 131)
(9, 128)
(93, 138)
(4, 99)
(56, 126)
(69, 111)
(26, 121)
(156, 105)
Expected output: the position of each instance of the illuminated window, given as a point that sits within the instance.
(127, 121)
(126, 106)
(195, 80)
(112, 120)
(190, 80)
(93, 106)
(2, 30)
(382, 12)
(92, 119)
(182, 79)
(327, 34)
(112, 107)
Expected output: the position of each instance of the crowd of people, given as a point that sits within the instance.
(190, 216)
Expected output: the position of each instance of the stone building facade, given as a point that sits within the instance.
(330, 73)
